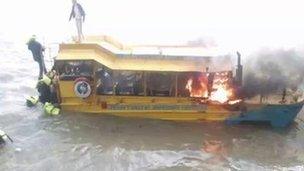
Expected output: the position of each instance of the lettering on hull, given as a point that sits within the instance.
(157, 107)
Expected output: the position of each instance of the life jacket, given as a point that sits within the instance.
(46, 80)
(44, 89)
(31, 101)
(50, 109)
(3, 137)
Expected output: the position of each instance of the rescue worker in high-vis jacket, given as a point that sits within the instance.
(47, 94)
(44, 89)
(37, 50)
(4, 137)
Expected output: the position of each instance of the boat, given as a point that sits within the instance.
(103, 76)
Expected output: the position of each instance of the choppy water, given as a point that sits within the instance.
(75, 141)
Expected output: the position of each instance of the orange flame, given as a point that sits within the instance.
(221, 90)
(197, 88)
(221, 95)
(232, 102)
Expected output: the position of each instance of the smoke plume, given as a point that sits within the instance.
(270, 71)
(202, 42)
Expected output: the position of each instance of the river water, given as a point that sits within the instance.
(76, 141)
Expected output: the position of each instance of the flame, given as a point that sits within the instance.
(221, 94)
(232, 102)
(221, 91)
(189, 85)
(197, 88)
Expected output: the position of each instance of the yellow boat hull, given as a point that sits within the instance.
(164, 111)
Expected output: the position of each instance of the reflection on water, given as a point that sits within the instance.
(83, 141)
(75, 141)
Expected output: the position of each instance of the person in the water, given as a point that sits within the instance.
(4, 137)
(79, 15)
(37, 50)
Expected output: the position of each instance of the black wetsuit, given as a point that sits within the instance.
(37, 49)
(1, 141)
(46, 94)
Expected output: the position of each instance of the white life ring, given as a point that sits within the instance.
(82, 88)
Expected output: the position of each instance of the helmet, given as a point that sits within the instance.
(33, 38)
(45, 79)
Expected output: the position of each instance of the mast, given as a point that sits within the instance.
(239, 71)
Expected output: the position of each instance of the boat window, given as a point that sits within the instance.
(194, 84)
(160, 84)
(199, 84)
(104, 82)
(182, 82)
(128, 83)
(70, 70)
(119, 82)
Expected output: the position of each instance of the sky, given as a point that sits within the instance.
(235, 24)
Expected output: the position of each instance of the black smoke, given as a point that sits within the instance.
(271, 71)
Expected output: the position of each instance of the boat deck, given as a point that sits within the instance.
(94, 50)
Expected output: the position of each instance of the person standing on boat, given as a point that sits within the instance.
(79, 15)
(37, 50)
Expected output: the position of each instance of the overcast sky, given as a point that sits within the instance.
(236, 24)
